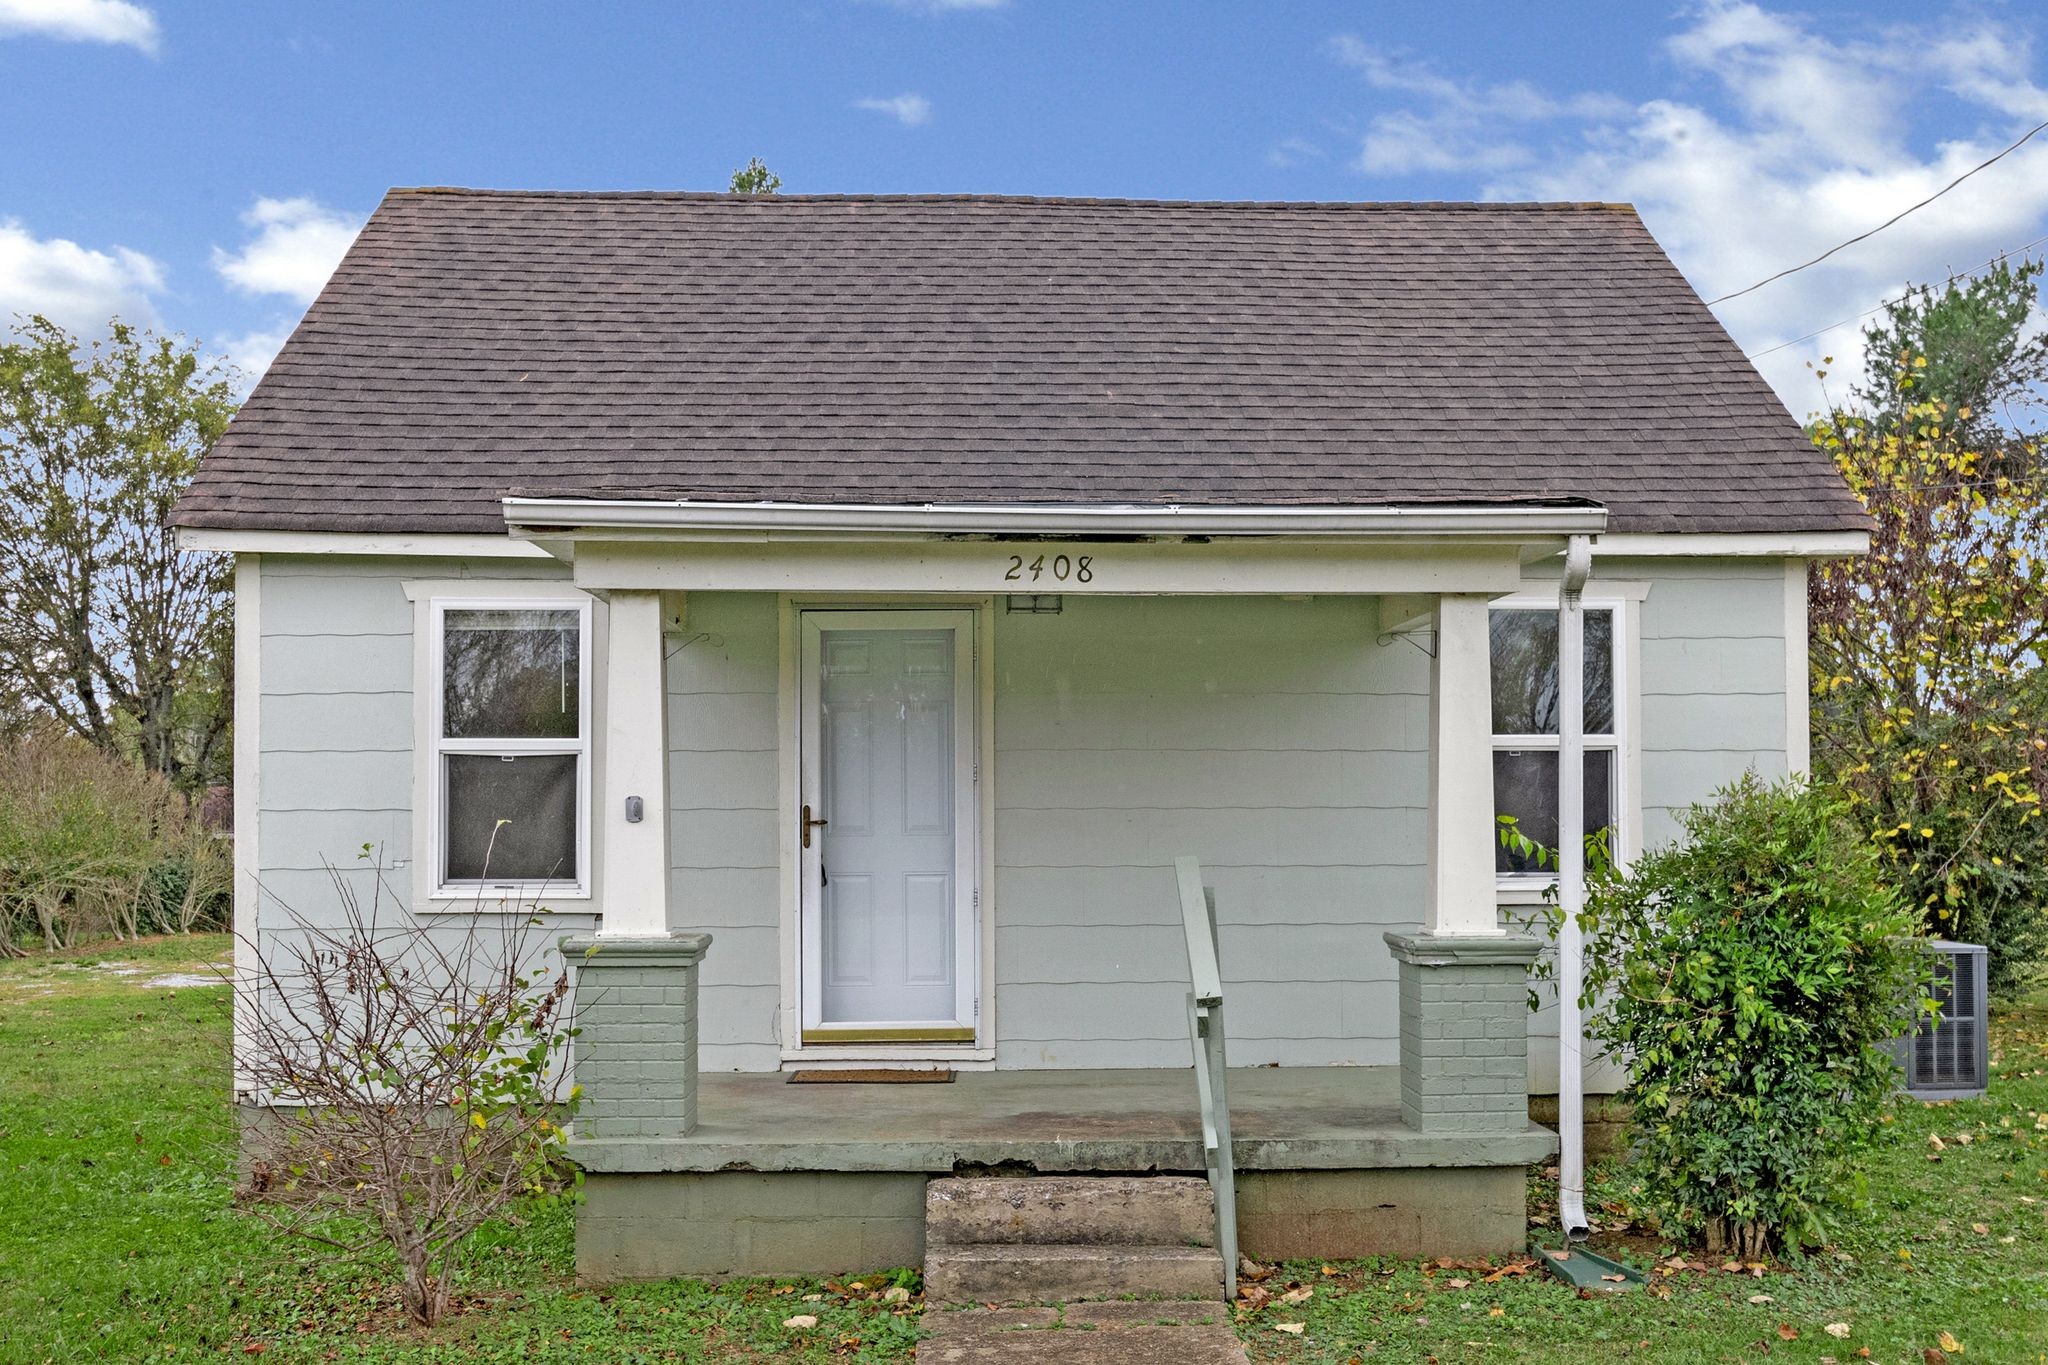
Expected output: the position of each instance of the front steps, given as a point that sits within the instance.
(1061, 1239)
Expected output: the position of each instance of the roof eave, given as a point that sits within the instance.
(532, 518)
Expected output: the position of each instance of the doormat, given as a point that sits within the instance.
(870, 1076)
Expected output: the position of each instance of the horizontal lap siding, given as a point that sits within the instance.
(724, 794)
(336, 730)
(1713, 681)
(1275, 741)
(1711, 688)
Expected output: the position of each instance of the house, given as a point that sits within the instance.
(855, 604)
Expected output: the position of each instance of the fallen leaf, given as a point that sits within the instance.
(1787, 1332)
(1933, 1357)
(1496, 1312)
(1981, 1229)
(800, 1322)
(1297, 1295)
(1947, 1342)
(1458, 1283)
(896, 1294)
(1760, 1298)
(1293, 1329)
(1836, 1329)
(1615, 1279)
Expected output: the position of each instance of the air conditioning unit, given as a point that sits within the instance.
(1948, 1057)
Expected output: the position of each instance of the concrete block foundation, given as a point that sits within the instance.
(1344, 1215)
(716, 1224)
(719, 1224)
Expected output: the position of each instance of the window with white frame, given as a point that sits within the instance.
(511, 760)
(1525, 740)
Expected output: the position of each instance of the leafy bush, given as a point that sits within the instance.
(92, 846)
(1751, 974)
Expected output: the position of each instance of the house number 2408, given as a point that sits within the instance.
(1079, 568)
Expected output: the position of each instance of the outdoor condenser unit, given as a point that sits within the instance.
(1948, 1057)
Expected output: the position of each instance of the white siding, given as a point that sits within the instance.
(1275, 740)
(336, 724)
(723, 820)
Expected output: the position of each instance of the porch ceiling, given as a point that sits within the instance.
(1294, 1118)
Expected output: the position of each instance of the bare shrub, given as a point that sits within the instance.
(91, 845)
(410, 1068)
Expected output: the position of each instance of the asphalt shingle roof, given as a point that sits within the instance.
(975, 349)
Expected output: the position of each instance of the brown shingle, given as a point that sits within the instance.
(987, 350)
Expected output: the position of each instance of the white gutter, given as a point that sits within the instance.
(554, 516)
(1571, 886)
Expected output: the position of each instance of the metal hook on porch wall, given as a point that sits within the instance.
(701, 637)
(1388, 637)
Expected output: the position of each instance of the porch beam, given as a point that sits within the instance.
(1072, 567)
(1459, 854)
(632, 817)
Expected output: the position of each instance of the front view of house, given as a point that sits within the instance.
(840, 612)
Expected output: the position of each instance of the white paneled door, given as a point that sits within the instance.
(886, 829)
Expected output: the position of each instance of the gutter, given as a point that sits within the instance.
(528, 517)
(1571, 886)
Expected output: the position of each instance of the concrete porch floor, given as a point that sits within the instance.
(1283, 1119)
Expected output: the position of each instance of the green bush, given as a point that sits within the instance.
(1751, 974)
(93, 846)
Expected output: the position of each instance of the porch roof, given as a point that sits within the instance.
(984, 350)
(1283, 1118)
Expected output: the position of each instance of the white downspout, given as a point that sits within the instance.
(1571, 884)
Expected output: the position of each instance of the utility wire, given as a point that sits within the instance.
(2025, 138)
(1953, 277)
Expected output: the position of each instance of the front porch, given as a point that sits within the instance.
(785, 1178)
(1308, 715)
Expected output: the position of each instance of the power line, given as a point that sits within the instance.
(1953, 277)
(1861, 237)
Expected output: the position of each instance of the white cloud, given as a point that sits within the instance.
(1811, 141)
(296, 246)
(77, 287)
(909, 110)
(1457, 126)
(90, 21)
(1293, 151)
(252, 352)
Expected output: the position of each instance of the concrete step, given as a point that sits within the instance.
(1055, 1274)
(1053, 1210)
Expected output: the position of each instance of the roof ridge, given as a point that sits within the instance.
(1075, 201)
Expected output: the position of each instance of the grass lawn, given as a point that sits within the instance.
(120, 1241)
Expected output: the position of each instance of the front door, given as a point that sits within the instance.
(887, 827)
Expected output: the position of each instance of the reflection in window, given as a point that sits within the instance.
(512, 748)
(1525, 687)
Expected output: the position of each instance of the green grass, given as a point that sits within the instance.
(120, 1240)
(1907, 1267)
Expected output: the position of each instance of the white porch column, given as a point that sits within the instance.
(1460, 898)
(632, 814)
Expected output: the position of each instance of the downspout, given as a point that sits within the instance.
(1571, 885)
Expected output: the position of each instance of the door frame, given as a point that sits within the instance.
(799, 620)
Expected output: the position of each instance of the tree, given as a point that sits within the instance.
(1979, 364)
(755, 178)
(103, 623)
(1927, 685)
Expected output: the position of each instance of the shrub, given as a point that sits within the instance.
(1751, 974)
(91, 845)
(411, 1071)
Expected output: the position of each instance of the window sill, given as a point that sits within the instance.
(506, 901)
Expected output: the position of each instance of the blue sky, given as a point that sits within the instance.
(200, 166)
